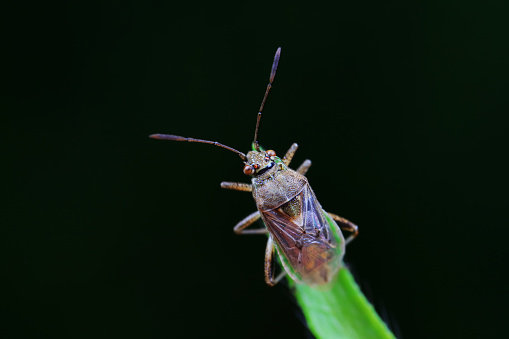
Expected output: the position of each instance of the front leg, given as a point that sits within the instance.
(289, 154)
(303, 169)
(237, 186)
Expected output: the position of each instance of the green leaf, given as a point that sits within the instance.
(341, 312)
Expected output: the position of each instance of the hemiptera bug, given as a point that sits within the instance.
(307, 239)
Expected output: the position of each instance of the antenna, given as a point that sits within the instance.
(271, 80)
(179, 138)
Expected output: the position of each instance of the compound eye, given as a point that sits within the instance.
(271, 153)
(248, 170)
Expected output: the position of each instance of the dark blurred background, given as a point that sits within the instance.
(105, 233)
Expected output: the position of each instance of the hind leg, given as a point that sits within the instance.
(270, 264)
(346, 225)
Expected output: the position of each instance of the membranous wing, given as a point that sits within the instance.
(309, 243)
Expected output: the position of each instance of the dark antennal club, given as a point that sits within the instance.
(179, 138)
(271, 81)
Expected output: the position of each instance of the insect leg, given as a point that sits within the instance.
(304, 167)
(347, 226)
(246, 222)
(270, 264)
(237, 186)
(289, 154)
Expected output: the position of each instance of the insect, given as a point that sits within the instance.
(306, 237)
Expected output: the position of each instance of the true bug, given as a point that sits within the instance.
(307, 239)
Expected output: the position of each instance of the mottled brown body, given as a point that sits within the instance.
(310, 247)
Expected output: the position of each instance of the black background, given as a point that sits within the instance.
(402, 107)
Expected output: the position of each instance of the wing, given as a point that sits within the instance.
(309, 243)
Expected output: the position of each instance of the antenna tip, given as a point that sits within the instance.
(274, 65)
(167, 137)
